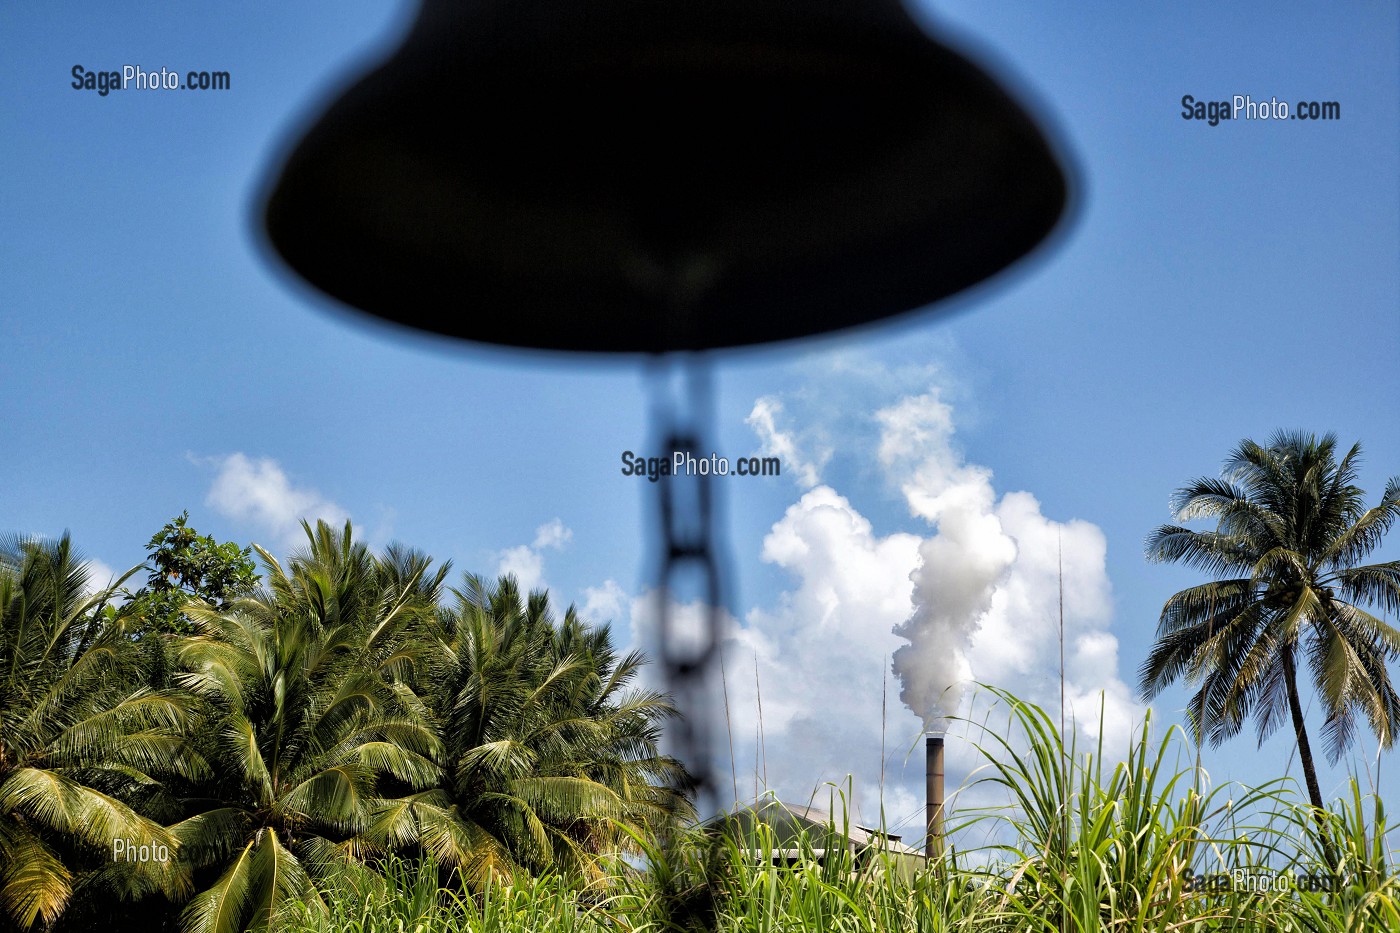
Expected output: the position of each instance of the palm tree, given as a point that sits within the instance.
(78, 739)
(1289, 587)
(387, 601)
(310, 734)
(624, 732)
(548, 752)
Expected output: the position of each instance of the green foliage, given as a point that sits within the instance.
(352, 746)
(354, 717)
(186, 565)
(306, 730)
(1092, 846)
(1095, 848)
(79, 742)
(407, 897)
(1086, 845)
(549, 755)
(1290, 588)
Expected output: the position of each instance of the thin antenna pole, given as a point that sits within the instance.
(1064, 765)
(729, 728)
(762, 736)
(1060, 572)
(884, 690)
(757, 731)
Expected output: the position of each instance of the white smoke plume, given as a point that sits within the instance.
(959, 568)
(986, 586)
(954, 582)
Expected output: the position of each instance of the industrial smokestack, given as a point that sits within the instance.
(933, 788)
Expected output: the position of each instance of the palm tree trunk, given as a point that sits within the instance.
(1295, 707)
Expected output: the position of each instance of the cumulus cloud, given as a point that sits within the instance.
(552, 534)
(526, 561)
(785, 444)
(972, 596)
(819, 657)
(968, 593)
(99, 576)
(606, 603)
(259, 492)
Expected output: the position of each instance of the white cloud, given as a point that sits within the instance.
(982, 581)
(99, 576)
(552, 534)
(523, 563)
(259, 492)
(606, 603)
(785, 445)
(526, 562)
(817, 656)
(821, 653)
(978, 592)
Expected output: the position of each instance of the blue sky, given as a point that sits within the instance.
(1216, 283)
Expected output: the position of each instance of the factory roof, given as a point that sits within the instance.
(789, 822)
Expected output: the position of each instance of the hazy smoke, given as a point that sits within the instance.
(960, 567)
(953, 587)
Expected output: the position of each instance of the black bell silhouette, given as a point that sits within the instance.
(657, 175)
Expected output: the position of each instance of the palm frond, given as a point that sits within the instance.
(34, 883)
(52, 800)
(223, 907)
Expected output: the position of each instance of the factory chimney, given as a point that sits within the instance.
(933, 787)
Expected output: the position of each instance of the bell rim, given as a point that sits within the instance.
(1053, 159)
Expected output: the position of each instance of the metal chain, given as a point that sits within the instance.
(689, 548)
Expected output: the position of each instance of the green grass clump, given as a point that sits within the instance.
(1084, 843)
